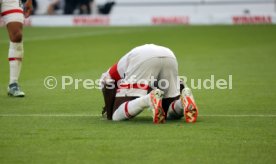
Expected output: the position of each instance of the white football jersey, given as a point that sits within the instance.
(137, 56)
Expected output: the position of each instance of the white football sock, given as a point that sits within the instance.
(15, 68)
(131, 108)
(15, 60)
(175, 110)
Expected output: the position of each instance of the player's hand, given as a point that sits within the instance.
(28, 8)
(104, 114)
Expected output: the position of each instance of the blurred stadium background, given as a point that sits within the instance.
(152, 12)
(209, 37)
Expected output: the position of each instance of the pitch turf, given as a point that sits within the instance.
(64, 126)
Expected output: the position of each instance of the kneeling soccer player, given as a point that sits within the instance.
(126, 86)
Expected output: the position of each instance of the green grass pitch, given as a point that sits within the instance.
(64, 126)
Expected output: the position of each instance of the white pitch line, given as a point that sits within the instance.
(95, 115)
(48, 115)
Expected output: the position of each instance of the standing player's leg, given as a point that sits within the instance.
(13, 17)
(16, 52)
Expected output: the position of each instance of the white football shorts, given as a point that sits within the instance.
(11, 11)
(158, 72)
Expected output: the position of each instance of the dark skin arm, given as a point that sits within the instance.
(112, 102)
(109, 98)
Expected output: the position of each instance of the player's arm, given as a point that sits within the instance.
(109, 88)
(28, 8)
(109, 94)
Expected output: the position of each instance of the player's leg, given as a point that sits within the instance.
(16, 50)
(174, 106)
(146, 70)
(15, 57)
(172, 112)
(129, 107)
(185, 105)
(168, 83)
(13, 17)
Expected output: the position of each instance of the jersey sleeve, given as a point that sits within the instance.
(114, 73)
